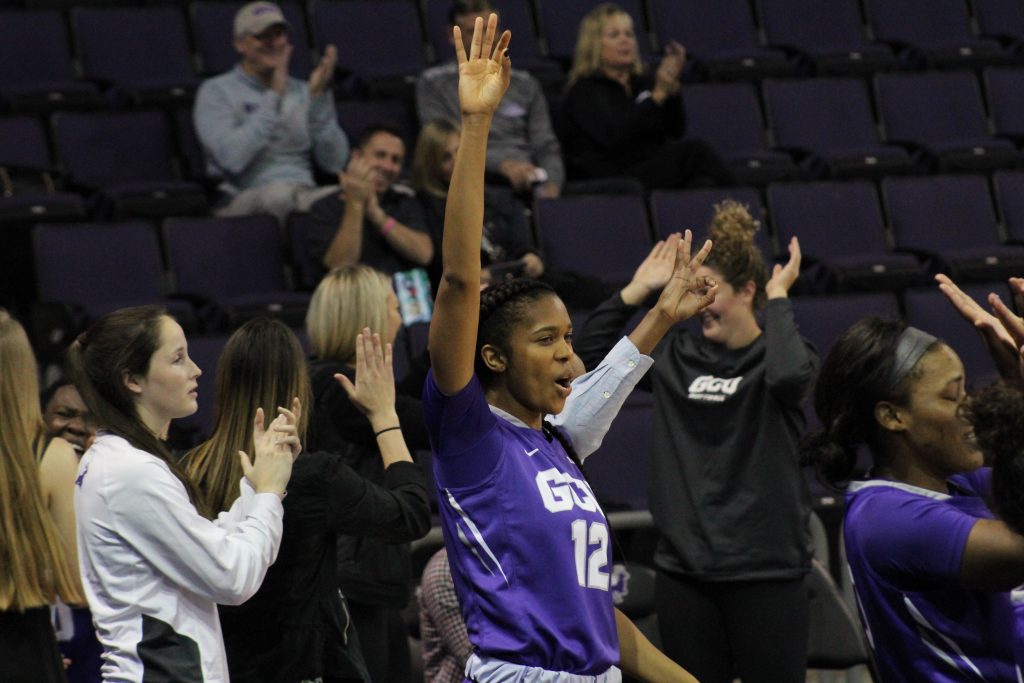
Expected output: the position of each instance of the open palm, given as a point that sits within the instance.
(483, 74)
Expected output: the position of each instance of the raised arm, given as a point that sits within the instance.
(373, 393)
(483, 79)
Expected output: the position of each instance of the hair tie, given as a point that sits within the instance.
(83, 338)
(912, 345)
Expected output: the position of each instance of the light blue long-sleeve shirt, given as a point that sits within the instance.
(252, 136)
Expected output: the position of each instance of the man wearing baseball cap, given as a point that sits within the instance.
(261, 129)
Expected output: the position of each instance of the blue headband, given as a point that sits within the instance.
(912, 345)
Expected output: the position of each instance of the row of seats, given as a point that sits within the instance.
(146, 52)
(811, 129)
(222, 269)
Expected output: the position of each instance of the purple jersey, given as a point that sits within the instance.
(904, 546)
(527, 541)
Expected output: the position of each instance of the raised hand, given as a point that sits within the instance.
(686, 293)
(373, 392)
(273, 467)
(783, 277)
(654, 272)
(286, 426)
(666, 78)
(1003, 335)
(484, 73)
(321, 77)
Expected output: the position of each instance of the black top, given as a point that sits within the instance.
(726, 490)
(28, 647)
(607, 129)
(294, 628)
(398, 202)
(506, 234)
(370, 571)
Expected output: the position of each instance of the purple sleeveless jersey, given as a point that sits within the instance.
(528, 544)
(904, 546)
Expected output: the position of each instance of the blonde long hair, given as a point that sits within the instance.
(346, 300)
(586, 59)
(33, 567)
(431, 146)
(262, 366)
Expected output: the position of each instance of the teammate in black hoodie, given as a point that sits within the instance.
(727, 494)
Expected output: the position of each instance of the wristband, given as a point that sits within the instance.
(388, 226)
(389, 429)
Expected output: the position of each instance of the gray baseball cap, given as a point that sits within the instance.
(257, 17)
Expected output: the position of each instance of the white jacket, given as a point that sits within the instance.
(154, 569)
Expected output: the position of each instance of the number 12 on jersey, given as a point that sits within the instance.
(591, 569)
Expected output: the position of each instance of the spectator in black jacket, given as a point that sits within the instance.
(296, 627)
(374, 576)
(621, 121)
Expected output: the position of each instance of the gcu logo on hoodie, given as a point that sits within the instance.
(715, 389)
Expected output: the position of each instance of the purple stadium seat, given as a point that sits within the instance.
(36, 71)
(829, 32)
(678, 210)
(560, 24)
(1009, 192)
(829, 121)
(943, 113)
(308, 269)
(213, 29)
(823, 319)
(728, 117)
(235, 267)
(356, 28)
(355, 116)
(128, 157)
(606, 237)
(142, 51)
(617, 470)
(929, 310)
(720, 36)
(24, 155)
(937, 30)
(951, 219)
(99, 267)
(842, 236)
(1005, 91)
(1001, 19)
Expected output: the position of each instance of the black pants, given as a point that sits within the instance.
(686, 163)
(384, 641)
(752, 630)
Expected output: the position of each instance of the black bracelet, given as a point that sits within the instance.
(389, 429)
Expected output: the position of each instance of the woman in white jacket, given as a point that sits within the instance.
(153, 568)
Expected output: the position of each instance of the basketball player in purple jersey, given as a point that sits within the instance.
(527, 541)
(932, 570)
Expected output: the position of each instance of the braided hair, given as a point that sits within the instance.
(502, 306)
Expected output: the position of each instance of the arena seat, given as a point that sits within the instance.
(1009, 194)
(25, 151)
(1005, 94)
(678, 210)
(1000, 19)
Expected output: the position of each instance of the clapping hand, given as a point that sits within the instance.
(275, 448)
(666, 78)
(373, 392)
(321, 77)
(484, 73)
(783, 276)
(654, 272)
(687, 293)
(356, 180)
(1003, 332)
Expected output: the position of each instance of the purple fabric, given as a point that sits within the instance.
(528, 544)
(904, 548)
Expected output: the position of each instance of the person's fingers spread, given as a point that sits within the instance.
(488, 41)
(346, 384)
(474, 44)
(258, 422)
(501, 49)
(702, 255)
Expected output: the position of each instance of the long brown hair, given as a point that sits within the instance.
(262, 366)
(33, 567)
(116, 346)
